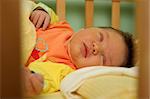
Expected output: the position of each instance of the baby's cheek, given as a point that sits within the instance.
(91, 61)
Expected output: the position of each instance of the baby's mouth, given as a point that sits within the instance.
(84, 50)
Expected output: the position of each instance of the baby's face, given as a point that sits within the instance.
(96, 46)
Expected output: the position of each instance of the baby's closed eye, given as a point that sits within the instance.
(101, 37)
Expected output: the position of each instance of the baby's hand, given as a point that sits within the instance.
(32, 84)
(40, 18)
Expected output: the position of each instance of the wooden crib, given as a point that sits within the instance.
(10, 41)
(89, 12)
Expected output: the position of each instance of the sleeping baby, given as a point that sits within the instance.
(58, 51)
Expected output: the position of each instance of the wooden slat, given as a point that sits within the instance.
(89, 10)
(143, 31)
(10, 50)
(61, 9)
(0, 47)
(116, 14)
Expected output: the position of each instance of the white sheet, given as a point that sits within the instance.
(75, 79)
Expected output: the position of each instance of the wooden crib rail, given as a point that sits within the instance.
(61, 9)
(115, 14)
(89, 10)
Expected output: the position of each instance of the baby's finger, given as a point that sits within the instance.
(28, 86)
(36, 17)
(39, 77)
(40, 21)
(32, 15)
(46, 22)
(26, 72)
(28, 89)
(36, 84)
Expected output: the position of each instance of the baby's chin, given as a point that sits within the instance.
(69, 53)
(72, 59)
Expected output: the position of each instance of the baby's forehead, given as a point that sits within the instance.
(102, 29)
(94, 30)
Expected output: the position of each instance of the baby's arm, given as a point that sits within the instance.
(52, 73)
(32, 84)
(42, 16)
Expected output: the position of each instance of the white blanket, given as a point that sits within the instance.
(75, 79)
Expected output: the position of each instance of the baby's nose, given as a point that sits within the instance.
(96, 48)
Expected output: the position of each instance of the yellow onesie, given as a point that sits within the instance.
(52, 72)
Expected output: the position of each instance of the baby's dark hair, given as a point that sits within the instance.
(128, 39)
